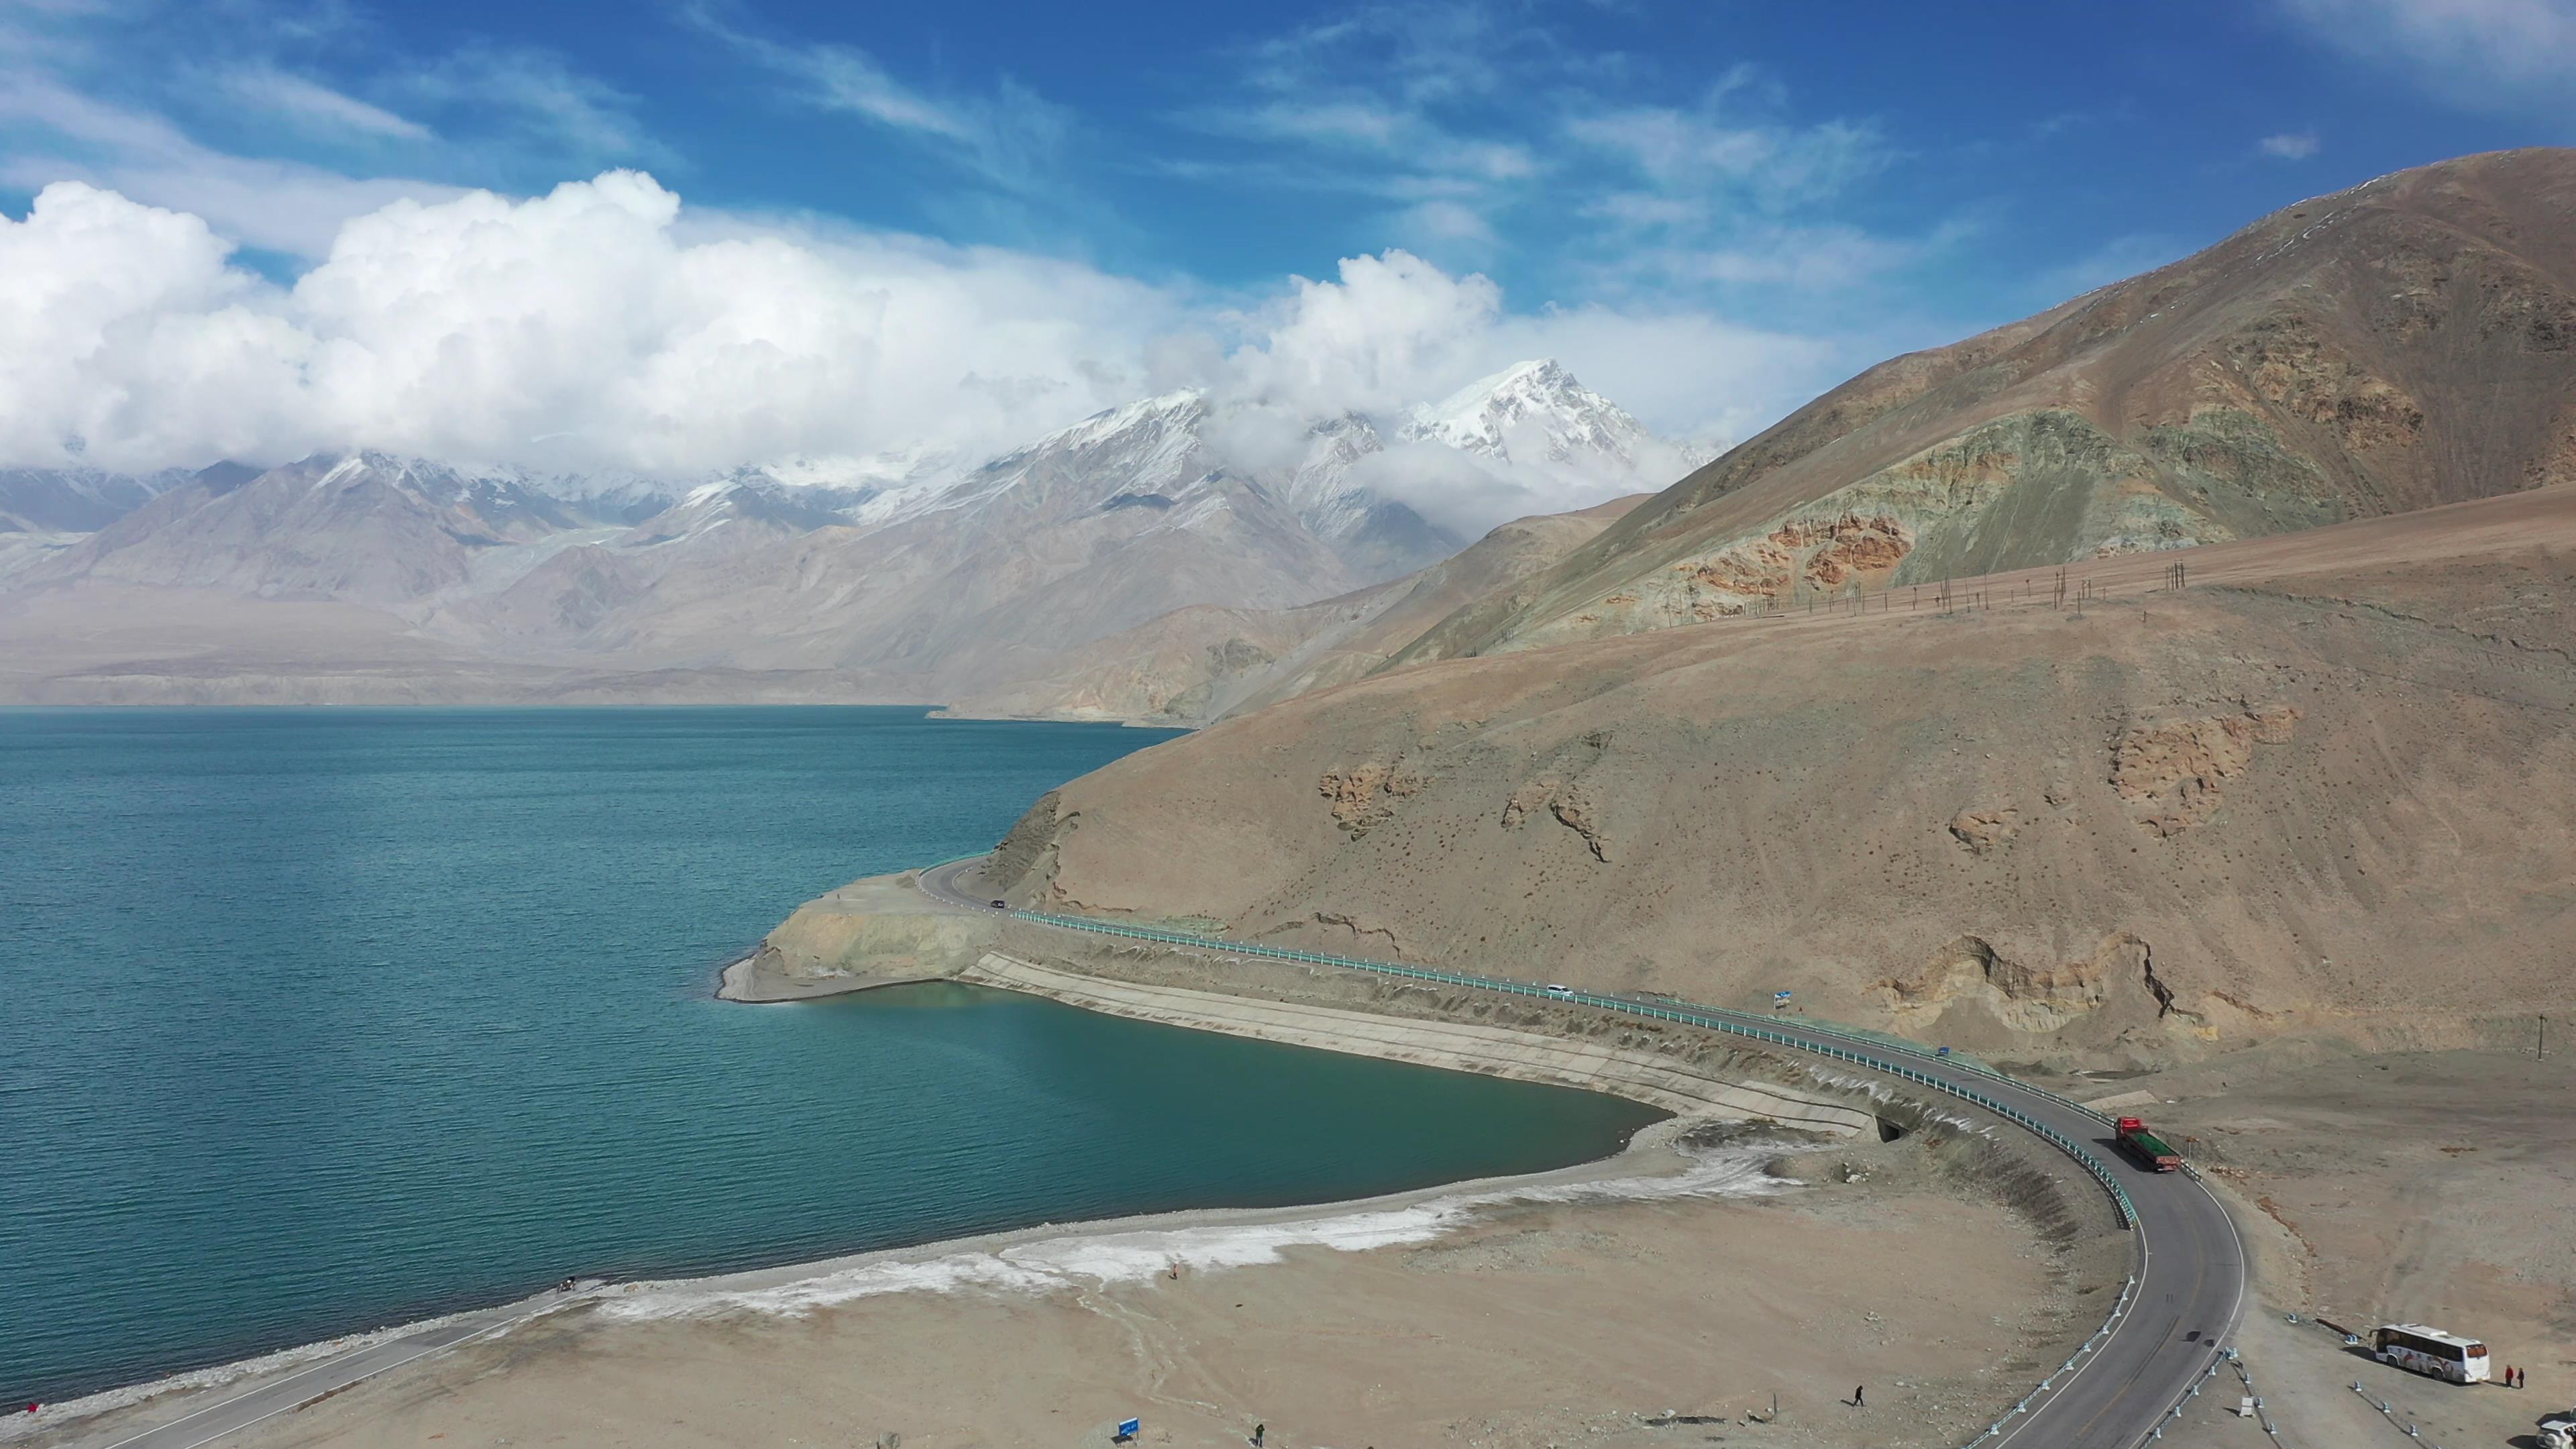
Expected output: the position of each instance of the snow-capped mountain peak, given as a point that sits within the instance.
(1530, 412)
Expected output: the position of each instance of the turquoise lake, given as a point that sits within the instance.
(320, 1020)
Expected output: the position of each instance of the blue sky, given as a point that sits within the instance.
(1828, 182)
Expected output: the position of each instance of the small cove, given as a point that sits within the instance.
(326, 1019)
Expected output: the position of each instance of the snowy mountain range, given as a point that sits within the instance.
(912, 575)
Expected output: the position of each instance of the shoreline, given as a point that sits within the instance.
(1648, 1144)
(1653, 1155)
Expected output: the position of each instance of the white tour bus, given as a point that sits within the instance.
(2431, 1351)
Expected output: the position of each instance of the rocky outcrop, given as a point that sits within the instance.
(879, 931)
(1983, 830)
(1363, 796)
(2169, 771)
(2024, 996)
(1025, 860)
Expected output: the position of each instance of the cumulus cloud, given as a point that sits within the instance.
(603, 326)
(577, 329)
(1456, 492)
(1393, 331)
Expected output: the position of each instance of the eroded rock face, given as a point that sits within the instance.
(2170, 771)
(1856, 548)
(1826, 553)
(1366, 795)
(1575, 811)
(2024, 996)
(2290, 365)
(1561, 793)
(1983, 830)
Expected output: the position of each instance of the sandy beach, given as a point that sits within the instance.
(1638, 1301)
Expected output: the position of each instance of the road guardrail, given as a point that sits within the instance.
(1744, 1024)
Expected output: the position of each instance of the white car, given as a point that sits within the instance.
(1555, 990)
(2559, 1433)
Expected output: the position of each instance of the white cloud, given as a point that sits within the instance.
(536, 98)
(1007, 137)
(600, 326)
(1464, 496)
(2290, 145)
(1395, 330)
(579, 329)
(2513, 55)
(122, 325)
(1697, 152)
(1452, 225)
(317, 106)
(279, 205)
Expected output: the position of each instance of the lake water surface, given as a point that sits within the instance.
(320, 1020)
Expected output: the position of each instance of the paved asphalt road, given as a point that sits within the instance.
(233, 1411)
(2190, 1262)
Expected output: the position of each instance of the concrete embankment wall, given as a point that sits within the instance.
(1654, 1078)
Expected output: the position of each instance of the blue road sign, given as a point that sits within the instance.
(1130, 1428)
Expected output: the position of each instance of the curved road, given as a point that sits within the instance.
(2189, 1262)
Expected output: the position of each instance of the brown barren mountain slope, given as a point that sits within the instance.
(2330, 786)
(2407, 343)
(1194, 665)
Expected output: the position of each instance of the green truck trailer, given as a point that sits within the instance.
(2149, 1149)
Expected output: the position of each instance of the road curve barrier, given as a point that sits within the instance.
(1743, 1024)
(1738, 1023)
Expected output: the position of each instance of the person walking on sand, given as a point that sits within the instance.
(1857, 1401)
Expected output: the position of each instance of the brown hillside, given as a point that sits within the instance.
(2328, 787)
(2407, 343)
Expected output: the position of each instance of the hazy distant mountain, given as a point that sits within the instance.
(74, 500)
(1197, 664)
(367, 528)
(905, 576)
(44, 511)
